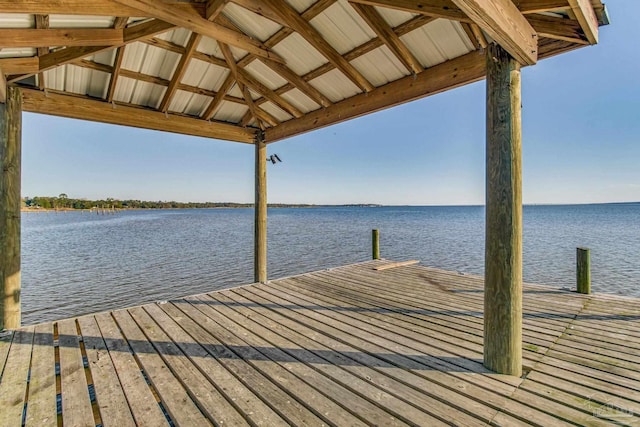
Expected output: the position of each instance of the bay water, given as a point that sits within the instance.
(76, 262)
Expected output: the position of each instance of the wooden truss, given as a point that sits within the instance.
(528, 29)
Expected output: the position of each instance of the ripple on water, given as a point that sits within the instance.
(75, 263)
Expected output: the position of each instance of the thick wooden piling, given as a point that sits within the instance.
(10, 162)
(375, 244)
(503, 248)
(260, 228)
(583, 270)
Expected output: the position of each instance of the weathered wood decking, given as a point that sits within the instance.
(347, 346)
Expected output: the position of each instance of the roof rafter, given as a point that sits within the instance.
(119, 22)
(388, 37)
(586, 16)
(404, 28)
(215, 103)
(214, 8)
(200, 25)
(56, 104)
(42, 22)
(192, 45)
(84, 7)
(298, 82)
(502, 20)
(59, 37)
(552, 27)
(302, 27)
(72, 54)
(233, 67)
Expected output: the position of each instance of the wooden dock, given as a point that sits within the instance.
(349, 346)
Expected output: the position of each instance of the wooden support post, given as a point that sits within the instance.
(503, 241)
(583, 270)
(375, 244)
(10, 162)
(260, 228)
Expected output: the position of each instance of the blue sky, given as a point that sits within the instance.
(581, 144)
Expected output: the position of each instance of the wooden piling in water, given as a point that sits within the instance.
(375, 244)
(10, 163)
(583, 270)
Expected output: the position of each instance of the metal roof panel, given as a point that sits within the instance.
(335, 86)
(299, 55)
(265, 75)
(342, 27)
(230, 112)
(380, 66)
(250, 23)
(301, 101)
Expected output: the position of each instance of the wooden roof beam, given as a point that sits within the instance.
(192, 45)
(84, 7)
(298, 82)
(586, 16)
(55, 104)
(18, 66)
(302, 27)
(215, 103)
(448, 10)
(119, 22)
(21, 37)
(200, 25)
(72, 54)
(245, 81)
(214, 8)
(502, 20)
(386, 34)
(42, 23)
(558, 28)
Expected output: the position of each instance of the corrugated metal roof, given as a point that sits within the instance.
(299, 55)
(342, 27)
(380, 66)
(301, 101)
(438, 41)
(335, 86)
(394, 17)
(250, 23)
(149, 66)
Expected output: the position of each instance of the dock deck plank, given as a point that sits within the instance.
(345, 346)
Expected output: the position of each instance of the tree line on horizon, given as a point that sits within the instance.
(64, 202)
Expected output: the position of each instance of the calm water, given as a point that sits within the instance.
(75, 263)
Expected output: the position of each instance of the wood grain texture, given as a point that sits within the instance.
(345, 346)
(10, 179)
(503, 240)
(87, 109)
(260, 208)
(506, 25)
(583, 270)
(42, 409)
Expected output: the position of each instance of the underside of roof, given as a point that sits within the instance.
(226, 69)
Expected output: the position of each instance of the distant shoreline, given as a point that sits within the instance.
(234, 206)
(290, 206)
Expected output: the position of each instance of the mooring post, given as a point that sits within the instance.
(10, 163)
(375, 243)
(583, 270)
(260, 228)
(503, 240)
